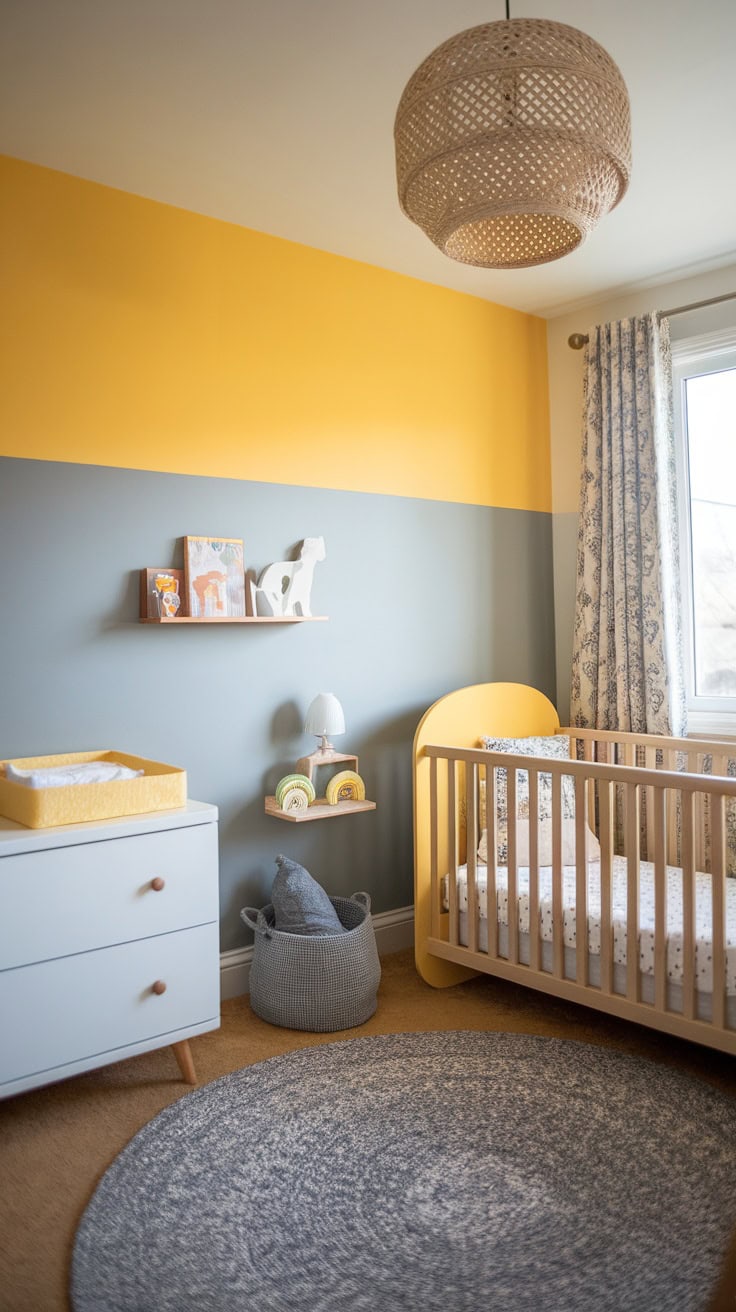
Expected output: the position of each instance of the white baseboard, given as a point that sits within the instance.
(394, 932)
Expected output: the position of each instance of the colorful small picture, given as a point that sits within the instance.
(162, 593)
(214, 569)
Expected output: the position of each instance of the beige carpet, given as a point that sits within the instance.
(56, 1142)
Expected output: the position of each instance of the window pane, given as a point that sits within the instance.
(711, 423)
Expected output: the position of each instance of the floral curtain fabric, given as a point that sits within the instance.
(627, 670)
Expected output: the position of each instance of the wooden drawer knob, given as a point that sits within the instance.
(157, 884)
(158, 987)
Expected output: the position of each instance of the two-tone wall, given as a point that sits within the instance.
(163, 373)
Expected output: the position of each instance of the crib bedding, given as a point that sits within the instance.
(703, 916)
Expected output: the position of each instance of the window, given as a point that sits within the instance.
(704, 377)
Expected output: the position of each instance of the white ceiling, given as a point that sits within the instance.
(278, 115)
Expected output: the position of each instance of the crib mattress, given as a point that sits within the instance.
(703, 915)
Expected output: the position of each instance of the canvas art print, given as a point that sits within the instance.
(215, 577)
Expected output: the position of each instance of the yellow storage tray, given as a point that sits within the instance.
(159, 788)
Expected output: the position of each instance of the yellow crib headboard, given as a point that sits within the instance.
(503, 710)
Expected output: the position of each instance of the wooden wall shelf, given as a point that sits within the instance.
(239, 619)
(320, 810)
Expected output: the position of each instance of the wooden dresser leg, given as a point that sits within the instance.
(183, 1054)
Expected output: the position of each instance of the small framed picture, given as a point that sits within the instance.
(214, 572)
(162, 593)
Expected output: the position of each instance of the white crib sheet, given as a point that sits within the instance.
(703, 915)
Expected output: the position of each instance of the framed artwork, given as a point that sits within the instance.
(162, 593)
(214, 572)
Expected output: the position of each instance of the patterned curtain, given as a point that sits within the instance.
(627, 670)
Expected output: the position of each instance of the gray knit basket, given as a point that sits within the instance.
(317, 982)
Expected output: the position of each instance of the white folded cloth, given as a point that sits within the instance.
(61, 776)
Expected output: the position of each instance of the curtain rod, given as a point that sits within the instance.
(577, 340)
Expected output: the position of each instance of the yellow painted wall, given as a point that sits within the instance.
(137, 335)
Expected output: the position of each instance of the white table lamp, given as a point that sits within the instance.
(324, 718)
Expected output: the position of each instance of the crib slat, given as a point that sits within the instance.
(696, 761)
(512, 869)
(588, 755)
(492, 867)
(669, 762)
(534, 947)
(558, 942)
(688, 904)
(471, 846)
(605, 807)
(650, 763)
(631, 823)
(659, 820)
(452, 847)
(581, 884)
(433, 835)
(719, 768)
(718, 887)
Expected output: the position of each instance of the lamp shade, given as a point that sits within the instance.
(512, 140)
(325, 716)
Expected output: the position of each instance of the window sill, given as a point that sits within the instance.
(711, 724)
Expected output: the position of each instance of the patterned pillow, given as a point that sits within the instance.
(554, 748)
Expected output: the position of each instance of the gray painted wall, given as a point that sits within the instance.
(423, 597)
(565, 541)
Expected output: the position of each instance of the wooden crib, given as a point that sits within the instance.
(653, 871)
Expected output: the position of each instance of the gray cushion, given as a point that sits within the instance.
(300, 904)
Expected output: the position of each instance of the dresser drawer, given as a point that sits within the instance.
(74, 899)
(57, 1012)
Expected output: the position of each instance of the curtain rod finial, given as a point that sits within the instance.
(577, 341)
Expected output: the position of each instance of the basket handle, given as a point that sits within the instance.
(363, 900)
(256, 921)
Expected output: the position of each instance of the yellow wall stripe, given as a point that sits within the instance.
(137, 335)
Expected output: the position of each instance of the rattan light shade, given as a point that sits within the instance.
(512, 140)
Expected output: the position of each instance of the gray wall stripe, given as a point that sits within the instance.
(423, 597)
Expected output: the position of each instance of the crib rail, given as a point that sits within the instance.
(640, 812)
(714, 757)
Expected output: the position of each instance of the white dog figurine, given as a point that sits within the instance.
(284, 588)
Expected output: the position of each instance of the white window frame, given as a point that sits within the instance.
(706, 354)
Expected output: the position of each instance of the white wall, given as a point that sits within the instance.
(566, 395)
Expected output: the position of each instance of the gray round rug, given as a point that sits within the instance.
(449, 1172)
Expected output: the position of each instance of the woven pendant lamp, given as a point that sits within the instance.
(512, 140)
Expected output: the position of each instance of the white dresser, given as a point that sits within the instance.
(109, 942)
